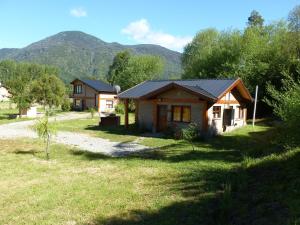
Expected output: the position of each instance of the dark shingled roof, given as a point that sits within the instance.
(99, 86)
(211, 88)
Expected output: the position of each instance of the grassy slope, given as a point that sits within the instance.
(233, 179)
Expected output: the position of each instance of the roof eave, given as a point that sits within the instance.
(175, 85)
(232, 86)
(99, 91)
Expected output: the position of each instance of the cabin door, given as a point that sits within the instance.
(162, 117)
(83, 104)
(228, 116)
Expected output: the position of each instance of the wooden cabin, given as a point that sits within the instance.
(93, 94)
(215, 105)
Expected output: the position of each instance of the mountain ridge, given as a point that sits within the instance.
(81, 55)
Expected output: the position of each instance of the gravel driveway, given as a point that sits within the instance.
(78, 140)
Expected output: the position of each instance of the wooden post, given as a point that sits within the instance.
(204, 116)
(126, 112)
(255, 101)
(136, 102)
(154, 116)
(99, 103)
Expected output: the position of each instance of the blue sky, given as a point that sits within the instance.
(165, 22)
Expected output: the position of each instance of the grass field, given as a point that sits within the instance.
(4, 116)
(91, 127)
(238, 178)
(7, 109)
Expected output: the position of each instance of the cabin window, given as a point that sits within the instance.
(78, 89)
(181, 114)
(186, 114)
(216, 111)
(241, 112)
(109, 104)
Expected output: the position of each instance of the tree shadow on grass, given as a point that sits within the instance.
(200, 189)
(117, 130)
(89, 155)
(254, 143)
(173, 153)
(176, 153)
(265, 194)
(6, 116)
(27, 152)
(268, 193)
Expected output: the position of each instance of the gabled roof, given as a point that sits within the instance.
(211, 89)
(97, 85)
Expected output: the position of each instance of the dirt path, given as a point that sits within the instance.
(77, 140)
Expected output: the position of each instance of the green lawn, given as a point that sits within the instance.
(6, 111)
(91, 126)
(238, 178)
(4, 116)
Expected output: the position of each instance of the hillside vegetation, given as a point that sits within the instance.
(77, 54)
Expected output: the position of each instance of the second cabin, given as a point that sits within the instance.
(93, 94)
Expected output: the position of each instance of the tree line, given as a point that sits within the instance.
(31, 83)
(267, 55)
(261, 54)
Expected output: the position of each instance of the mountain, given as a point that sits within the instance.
(80, 55)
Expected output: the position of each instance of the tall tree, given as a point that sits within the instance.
(29, 82)
(294, 19)
(49, 90)
(128, 70)
(255, 19)
(20, 89)
(120, 62)
(212, 54)
(259, 55)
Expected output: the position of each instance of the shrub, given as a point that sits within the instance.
(191, 133)
(286, 104)
(92, 111)
(66, 105)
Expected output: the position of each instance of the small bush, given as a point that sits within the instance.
(92, 111)
(66, 105)
(191, 133)
(286, 104)
(173, 131)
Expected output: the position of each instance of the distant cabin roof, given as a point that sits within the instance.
(98, 85)
(210, 89)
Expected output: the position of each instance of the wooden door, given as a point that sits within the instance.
(228, 116)
(162, 117)
(83, 104)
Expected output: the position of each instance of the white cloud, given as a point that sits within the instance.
(141, 32)
(78, 12)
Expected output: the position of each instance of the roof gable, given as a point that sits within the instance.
(195, 90)
(98, 85)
